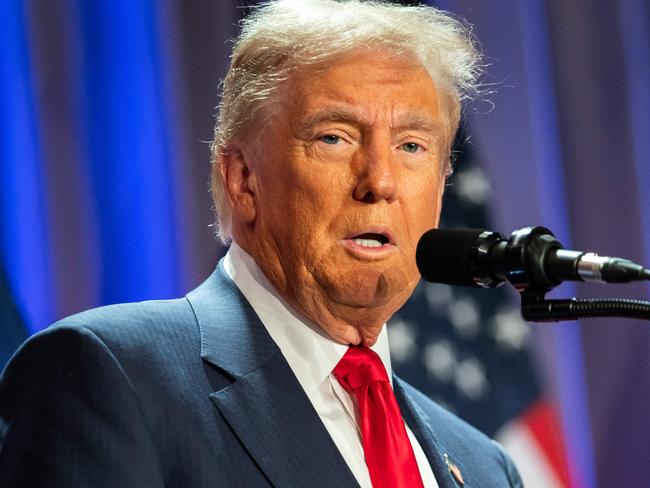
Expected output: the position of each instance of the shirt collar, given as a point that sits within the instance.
(310, 352)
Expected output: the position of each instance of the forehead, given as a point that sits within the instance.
(365, 86)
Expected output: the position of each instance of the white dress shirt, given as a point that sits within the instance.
(312, 355)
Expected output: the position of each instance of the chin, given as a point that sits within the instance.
(369, 286)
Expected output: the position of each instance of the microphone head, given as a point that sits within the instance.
(444, 256)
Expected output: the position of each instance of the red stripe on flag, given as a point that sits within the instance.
(542, 421)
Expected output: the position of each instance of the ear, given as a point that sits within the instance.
(239, 185)
(441, 191)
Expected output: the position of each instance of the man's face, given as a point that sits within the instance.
(346, 177)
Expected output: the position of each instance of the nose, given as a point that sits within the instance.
(376, 180)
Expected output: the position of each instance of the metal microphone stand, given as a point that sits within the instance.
(535, 308)
(533, 284)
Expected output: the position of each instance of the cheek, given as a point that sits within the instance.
(305, 206)
(321, 192)
(423, 215)
(426, 201)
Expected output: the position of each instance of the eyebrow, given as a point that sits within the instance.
(330, 115)
(405, 122)
(419, 122)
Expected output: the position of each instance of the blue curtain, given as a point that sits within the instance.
(24, 225)
(97, 194)
(104, 107)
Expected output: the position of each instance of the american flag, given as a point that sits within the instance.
(469, 350)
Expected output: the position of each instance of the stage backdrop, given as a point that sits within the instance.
(105, 107)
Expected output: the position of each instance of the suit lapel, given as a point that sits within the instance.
(265, 405)
(275, 420)
(421, 425)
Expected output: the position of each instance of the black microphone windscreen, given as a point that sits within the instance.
(443, 256)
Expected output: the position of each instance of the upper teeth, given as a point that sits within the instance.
(368, 242)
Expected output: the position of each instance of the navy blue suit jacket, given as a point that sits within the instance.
(191, 393)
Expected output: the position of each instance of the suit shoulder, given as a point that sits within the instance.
(140, 339)
(132, 322)
(134, 333)
(125, 314)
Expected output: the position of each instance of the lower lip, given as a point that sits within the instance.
(360, 250)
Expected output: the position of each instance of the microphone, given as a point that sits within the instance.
(531, 258)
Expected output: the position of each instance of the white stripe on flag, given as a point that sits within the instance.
(532, 463)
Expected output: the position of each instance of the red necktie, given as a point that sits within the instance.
(386, 446)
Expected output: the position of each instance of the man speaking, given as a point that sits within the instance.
(329, 162)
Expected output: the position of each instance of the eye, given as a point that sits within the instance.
(330, 139)
(411, 147)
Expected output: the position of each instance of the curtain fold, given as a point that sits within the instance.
(24, 224)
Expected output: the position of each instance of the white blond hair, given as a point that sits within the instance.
(283, 36)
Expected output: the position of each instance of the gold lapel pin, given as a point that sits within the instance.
(454, 470)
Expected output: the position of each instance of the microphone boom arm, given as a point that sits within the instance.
(535, 308)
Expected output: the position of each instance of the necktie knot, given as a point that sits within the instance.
(360, 366)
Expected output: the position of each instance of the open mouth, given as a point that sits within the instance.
(370, 239)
